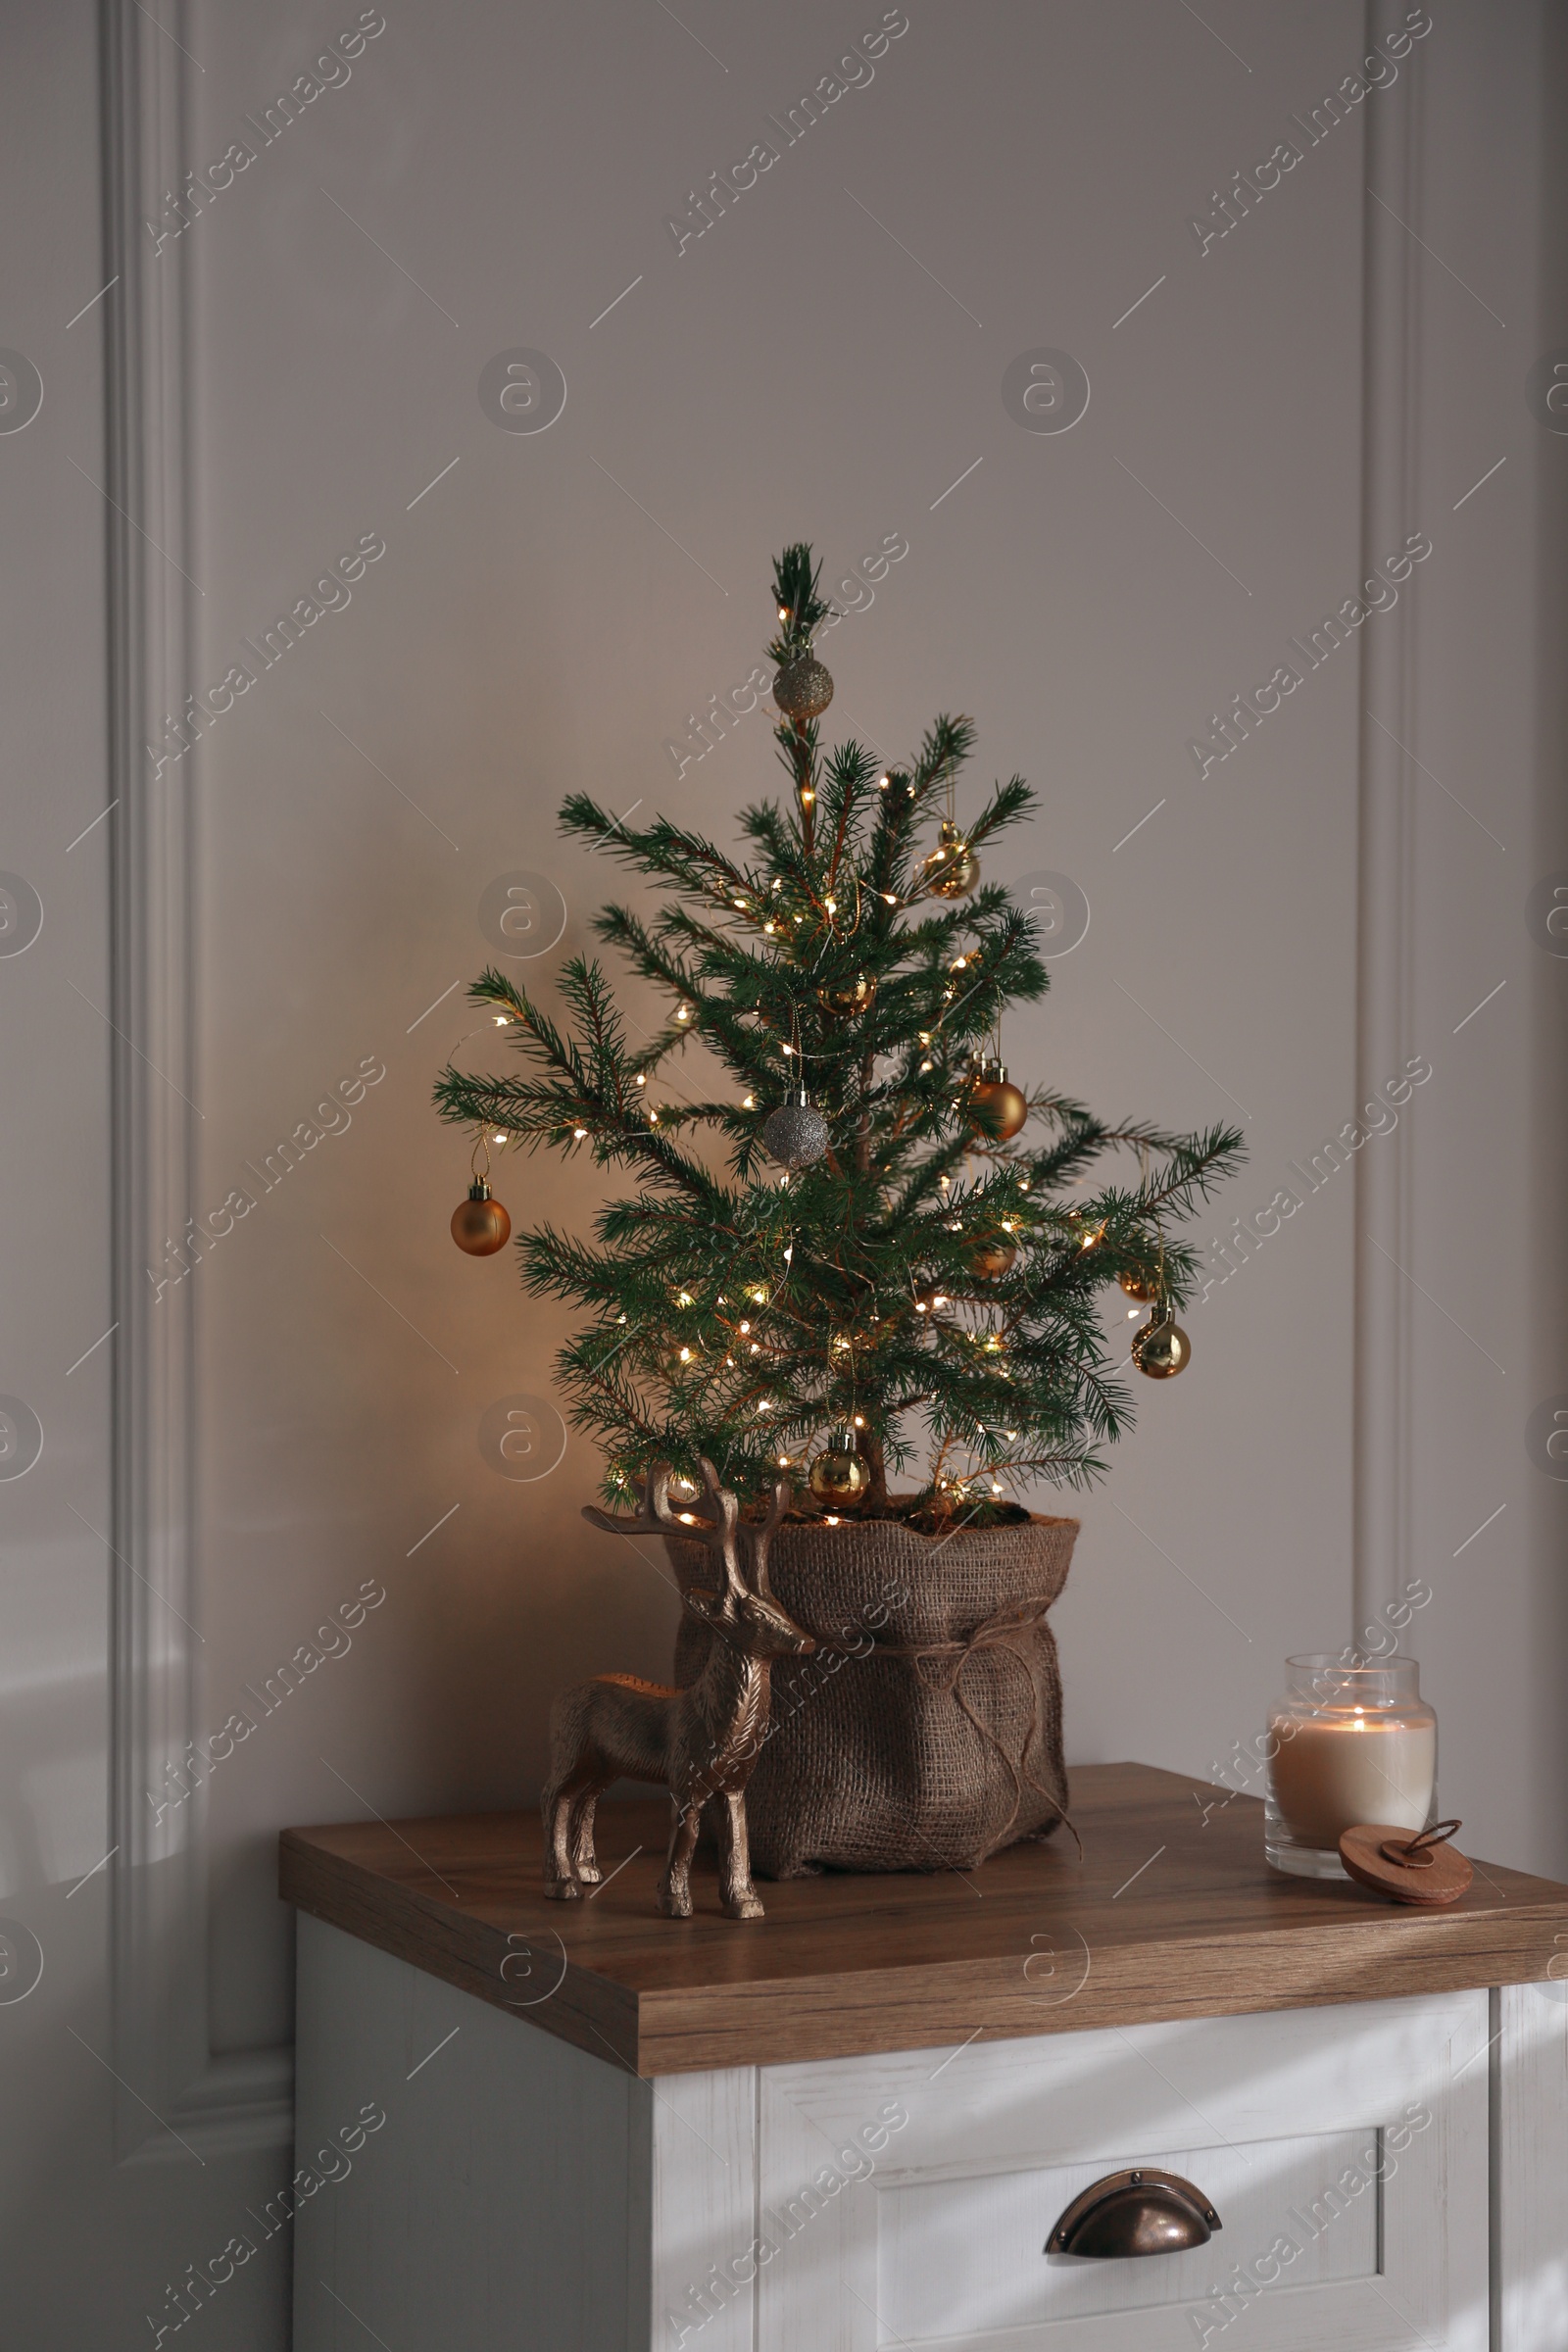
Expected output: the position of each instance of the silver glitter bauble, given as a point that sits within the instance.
(795, 1134)
(804, 690)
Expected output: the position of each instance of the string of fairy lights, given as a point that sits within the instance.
(735, 1334)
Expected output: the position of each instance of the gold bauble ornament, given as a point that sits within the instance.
(803, 689)
(857, 993)
(480, 1225)
(992, 1255)
(952, 869)
(1140, 1286)
(995, 1106)
(839, 1477)
(1161, 1347)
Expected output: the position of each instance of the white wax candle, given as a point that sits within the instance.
(1336, 1770)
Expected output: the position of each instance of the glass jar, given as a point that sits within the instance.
(1353, 1741)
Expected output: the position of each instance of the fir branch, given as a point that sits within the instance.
(800, 607)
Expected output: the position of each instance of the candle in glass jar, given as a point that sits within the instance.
(1353, 1741)
(1331, 1773)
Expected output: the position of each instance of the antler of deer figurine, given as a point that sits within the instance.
(701, 1741)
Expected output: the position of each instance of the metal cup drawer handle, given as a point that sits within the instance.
(1135, 2212)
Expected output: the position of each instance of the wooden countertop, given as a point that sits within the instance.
(1168, 1915)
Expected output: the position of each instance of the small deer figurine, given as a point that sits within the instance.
(701, 1742)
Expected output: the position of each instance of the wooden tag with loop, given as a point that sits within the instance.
(1424, 1869)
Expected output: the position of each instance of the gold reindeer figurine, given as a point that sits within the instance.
(701, 1742)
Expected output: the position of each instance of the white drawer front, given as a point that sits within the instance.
(906, 2200)
(962, 2257)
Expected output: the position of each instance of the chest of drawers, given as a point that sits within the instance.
(852, 2127)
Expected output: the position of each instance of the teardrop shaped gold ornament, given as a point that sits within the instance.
(952, 870)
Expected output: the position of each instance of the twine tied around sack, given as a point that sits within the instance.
(880, 1770)
(949, 1658)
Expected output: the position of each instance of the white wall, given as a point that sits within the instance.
(292, 895)
(1486, 1233)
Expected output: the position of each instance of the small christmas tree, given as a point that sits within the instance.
(837, 1262)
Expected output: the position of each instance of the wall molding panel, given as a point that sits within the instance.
(1386, 848)
(158, 1957)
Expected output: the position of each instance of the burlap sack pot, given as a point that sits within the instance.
(925, 1732)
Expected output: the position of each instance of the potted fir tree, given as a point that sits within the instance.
(857, 1254)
